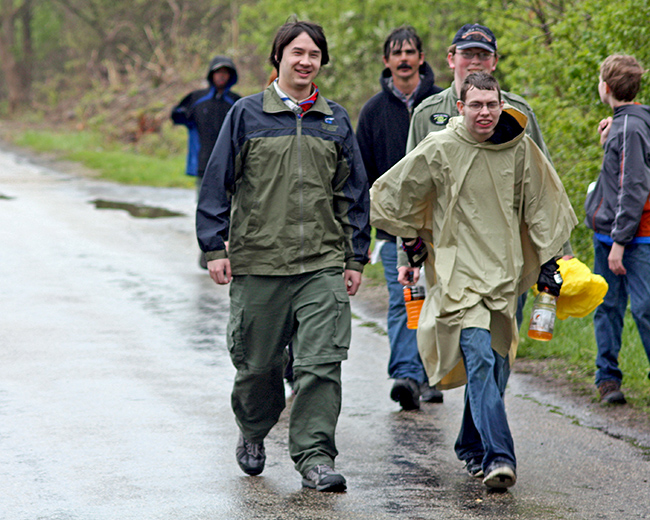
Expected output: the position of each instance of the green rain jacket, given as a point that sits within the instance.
(493, 213)
(288, 193)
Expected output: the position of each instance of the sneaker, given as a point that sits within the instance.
(430, 394)
(324, 478)
(474, 467)
(610, 392)
(250, 456)
(500, 475)
(407, 393)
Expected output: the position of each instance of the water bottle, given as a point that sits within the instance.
(542, 317)
(413, 299)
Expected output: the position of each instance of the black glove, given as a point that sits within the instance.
(550, 279)
(416, 252)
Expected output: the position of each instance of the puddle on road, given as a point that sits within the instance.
(136, 210)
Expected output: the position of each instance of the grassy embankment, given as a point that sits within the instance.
(572, 348)
(119, 162)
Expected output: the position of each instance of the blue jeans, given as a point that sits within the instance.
(404, 356)
(484, 431)
(608, 318)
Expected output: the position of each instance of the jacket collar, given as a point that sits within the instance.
(272, 104)
(427, 80)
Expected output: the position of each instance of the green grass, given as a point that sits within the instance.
(574, 343)
(112, 160)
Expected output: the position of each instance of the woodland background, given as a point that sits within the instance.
(118, 66)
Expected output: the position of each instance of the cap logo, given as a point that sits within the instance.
(476, 35)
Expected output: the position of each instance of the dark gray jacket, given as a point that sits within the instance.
(619, 206)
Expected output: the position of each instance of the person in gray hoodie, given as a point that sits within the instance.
(618, 210)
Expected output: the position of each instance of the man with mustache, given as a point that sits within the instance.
(382, 132)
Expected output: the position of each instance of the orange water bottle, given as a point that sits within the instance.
(542, 317)
(413, 299)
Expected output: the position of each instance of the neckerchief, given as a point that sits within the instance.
(302, 106)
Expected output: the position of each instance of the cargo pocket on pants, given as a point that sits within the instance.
(235, 336)
(342, 322)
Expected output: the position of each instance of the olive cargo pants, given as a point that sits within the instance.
(266, 312)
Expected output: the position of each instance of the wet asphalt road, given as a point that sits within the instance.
(115, 383)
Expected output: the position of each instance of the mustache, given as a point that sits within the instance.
(404, 66)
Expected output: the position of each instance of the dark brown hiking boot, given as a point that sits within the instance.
(610, 392)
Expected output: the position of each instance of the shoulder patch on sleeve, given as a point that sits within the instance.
(439, 119)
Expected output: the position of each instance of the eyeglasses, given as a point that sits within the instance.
(475, 106)
(482, 56)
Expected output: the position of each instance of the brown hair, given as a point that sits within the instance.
(480, 81)
(622, 73)
(289, 32)
(397, 38)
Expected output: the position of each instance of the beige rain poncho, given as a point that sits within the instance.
(493, 213)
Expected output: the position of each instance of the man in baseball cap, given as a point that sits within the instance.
(473, 35)
(473, 49)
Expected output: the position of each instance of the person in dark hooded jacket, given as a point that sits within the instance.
(203, 111)
(382, 133)
(618, 210)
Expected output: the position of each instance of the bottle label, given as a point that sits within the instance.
(542, 320)
(414, 293)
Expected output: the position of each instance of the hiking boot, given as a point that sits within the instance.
(430, 394)
(610, 392)
(250, 456)
(323, 478)
(474, 467)
(407, 393)
(500, 475)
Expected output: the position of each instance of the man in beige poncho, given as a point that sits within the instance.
(489, 202)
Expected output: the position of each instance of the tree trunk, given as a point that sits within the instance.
(17, 76)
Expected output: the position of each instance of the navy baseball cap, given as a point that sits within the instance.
(475, 35)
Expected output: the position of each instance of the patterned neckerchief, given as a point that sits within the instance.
(302, 106)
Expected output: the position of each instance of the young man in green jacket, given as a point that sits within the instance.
(286, 187)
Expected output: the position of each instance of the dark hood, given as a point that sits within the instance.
(637, 110)
(427, 88)
(219, 62)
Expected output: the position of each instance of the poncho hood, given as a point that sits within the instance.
(509, 130)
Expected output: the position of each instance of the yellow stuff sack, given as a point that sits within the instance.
(582, 291)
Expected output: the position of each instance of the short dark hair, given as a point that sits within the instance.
(289, 32)
(480, 81)
(398, 36)
(622, 73)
